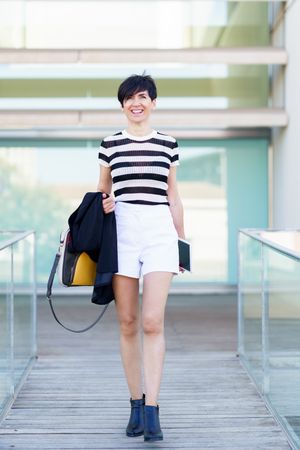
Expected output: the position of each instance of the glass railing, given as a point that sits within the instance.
(269, 321)
(17, 312)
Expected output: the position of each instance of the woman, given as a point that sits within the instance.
(139, 164)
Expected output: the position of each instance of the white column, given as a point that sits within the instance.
(286, 176)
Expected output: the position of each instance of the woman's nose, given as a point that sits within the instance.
(135, 101)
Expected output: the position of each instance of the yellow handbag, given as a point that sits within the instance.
(74, 269)
(84, 271)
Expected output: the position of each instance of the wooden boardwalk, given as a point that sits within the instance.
(76, 397)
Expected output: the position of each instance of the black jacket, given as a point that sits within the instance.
(95, 233)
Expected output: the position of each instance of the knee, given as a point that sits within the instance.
(152, 325)
(129, 326)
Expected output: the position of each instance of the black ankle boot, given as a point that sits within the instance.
(135, 425)
(152, 431)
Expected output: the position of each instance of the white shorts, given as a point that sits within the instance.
(147, 239)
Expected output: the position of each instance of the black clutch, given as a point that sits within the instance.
(184, 254)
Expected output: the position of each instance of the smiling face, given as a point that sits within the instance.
(138, 107)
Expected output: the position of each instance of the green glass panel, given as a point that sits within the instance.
(227, 86)
(143, 24)
(223, 184)
(243, 175)
(247, 191)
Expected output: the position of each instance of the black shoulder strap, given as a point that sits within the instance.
(49, 295)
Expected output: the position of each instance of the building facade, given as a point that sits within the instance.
(226, 92)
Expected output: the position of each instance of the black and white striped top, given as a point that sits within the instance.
(139, 166)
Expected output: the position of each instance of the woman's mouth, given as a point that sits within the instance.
(136, 112)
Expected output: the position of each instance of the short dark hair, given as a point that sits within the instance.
(137, 83)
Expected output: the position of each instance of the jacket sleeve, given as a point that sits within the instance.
(86, 224)
(108, 256)
(94, 232)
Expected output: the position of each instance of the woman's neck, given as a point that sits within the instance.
(139, 129)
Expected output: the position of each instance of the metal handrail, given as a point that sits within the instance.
(20, 235)
(252, 232)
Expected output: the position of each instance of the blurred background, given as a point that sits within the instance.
(223, 91)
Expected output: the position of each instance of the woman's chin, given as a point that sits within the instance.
(137, 119)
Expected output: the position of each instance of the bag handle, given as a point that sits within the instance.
(49, 295)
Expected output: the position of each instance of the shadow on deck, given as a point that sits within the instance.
(76, 396)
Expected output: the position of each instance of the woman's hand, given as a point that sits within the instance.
(108, 203)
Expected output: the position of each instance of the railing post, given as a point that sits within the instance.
(10, 311)
(265, 323)
(33, 300)
(240, 324)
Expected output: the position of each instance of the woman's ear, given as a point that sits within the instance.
(154, 103)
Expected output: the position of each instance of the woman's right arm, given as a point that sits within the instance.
(105, 185)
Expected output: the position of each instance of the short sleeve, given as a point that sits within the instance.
(175, 155)
(102, 155)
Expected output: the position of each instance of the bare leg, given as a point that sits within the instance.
(155, 294)
(126, 290)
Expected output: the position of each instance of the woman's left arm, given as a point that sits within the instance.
(175, 202)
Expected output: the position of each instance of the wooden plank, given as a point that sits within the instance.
(119, 441)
